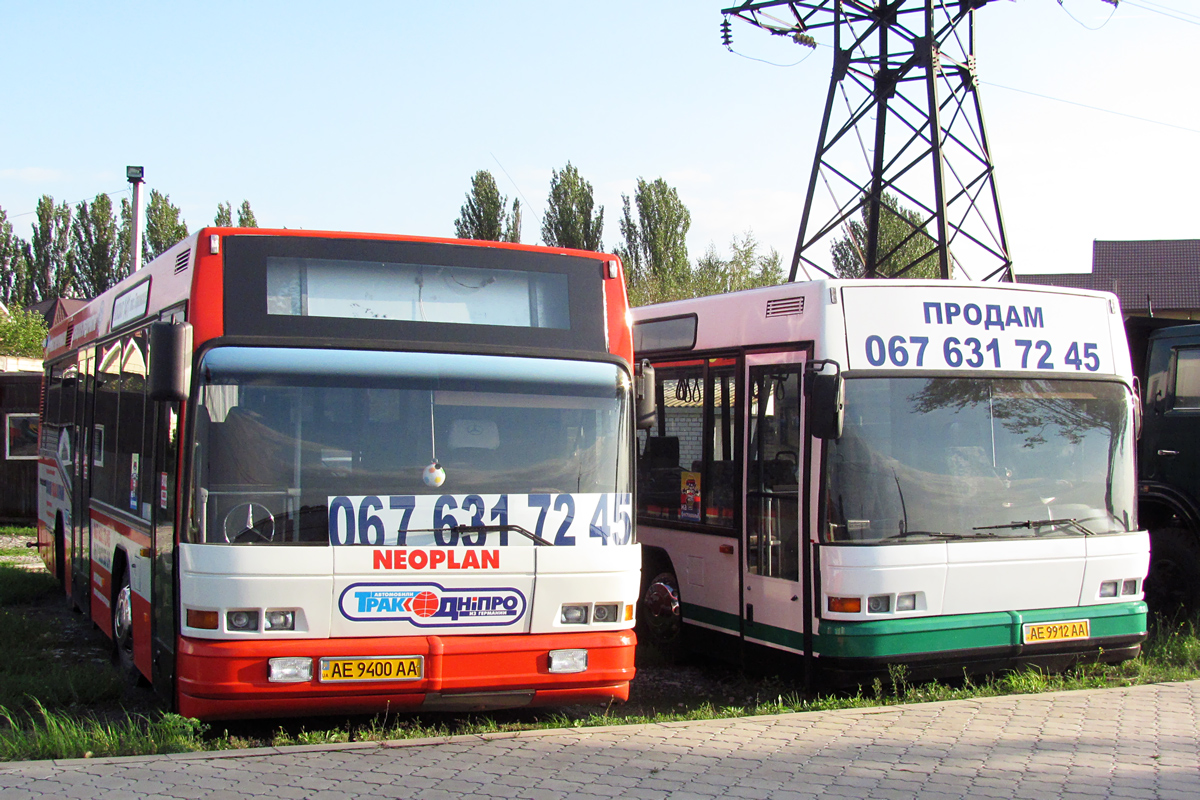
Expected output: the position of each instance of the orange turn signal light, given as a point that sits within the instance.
(845, 605)
(207, 620)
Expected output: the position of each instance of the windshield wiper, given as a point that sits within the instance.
(1039, 523)
(460, 529)
(934, 534)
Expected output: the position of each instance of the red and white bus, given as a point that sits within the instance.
(293, 472)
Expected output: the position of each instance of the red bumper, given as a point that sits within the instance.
(226, 680)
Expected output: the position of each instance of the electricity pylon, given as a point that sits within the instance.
(905, 71)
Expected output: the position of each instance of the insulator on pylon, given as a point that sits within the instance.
(726, 32)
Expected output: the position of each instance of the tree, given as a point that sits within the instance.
(50, 266)
(568, 221)
(124, 234)
(246, 216)
(164, 227)
(224, 218)
(94, 246)
(901, 243)
(22, 333)
(655, 243)
(15, 286)
(745, 269)
(483, 217)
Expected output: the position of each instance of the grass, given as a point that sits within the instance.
(41, 734)
(18, 550)
(49, 711)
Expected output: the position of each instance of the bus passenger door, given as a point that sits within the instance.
(81, 555)
(162, 587)
(773, 590)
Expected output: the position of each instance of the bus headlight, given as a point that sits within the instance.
(906, 602)
(879, 604)
(574, 615)
(279, 620)
(289, 670)
(1129, 586)
(1108, 588)
(242, 620)
(566, 661)
(605, 613)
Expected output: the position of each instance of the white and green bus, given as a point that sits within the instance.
(922, 473)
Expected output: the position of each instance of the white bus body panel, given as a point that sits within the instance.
(321, 583)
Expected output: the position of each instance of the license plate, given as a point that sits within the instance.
(385, 668)
(1034, 633)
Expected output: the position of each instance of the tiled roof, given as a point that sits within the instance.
(1167, 271)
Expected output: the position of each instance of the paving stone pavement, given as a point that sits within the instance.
(1138, 742)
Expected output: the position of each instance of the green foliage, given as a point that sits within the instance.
(902, 242)
(246, 216)
(654, 247)
(483, 216)
(164, 226)
(744, 269)
(569, 221)
(22, 333)
(21, 586)
(124, 234)
(94, 246)
(15, 285)
(50, 266)
(44, 734)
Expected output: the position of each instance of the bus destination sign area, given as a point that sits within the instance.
(968, 328)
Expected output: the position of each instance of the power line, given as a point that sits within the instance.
(1093, 108)
(514, 183)
(1081, 23)
(1165, 11)
(77, 202)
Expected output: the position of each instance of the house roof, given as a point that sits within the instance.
(1162, 272)
(57, 309)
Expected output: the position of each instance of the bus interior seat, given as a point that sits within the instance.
(660, 452)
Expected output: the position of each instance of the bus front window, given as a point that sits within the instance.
(932, 459)
(279, 441)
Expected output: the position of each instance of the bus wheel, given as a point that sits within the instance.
(122, 626)
(1173, 582)
(661, 617)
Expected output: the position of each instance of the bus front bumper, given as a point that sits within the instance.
(951, 646)
(226, 680)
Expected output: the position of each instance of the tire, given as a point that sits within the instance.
(122, 628)
(1173, 582)
(60, 554)
(661, 618)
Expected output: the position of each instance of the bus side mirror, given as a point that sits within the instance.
(170, 361)
(825, 404)
(643, 392)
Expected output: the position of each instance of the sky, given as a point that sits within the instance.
(373, 116)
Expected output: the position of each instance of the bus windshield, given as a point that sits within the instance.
(933, 459)
(291, 442)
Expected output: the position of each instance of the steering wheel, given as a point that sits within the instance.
(795, 458)
(249, 522)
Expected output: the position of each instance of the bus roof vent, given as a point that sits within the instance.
(785, 306)
(181, 261)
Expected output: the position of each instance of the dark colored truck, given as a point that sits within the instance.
(1166, 359)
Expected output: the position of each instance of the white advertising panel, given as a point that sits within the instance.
(478, 520)
(972, 327)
